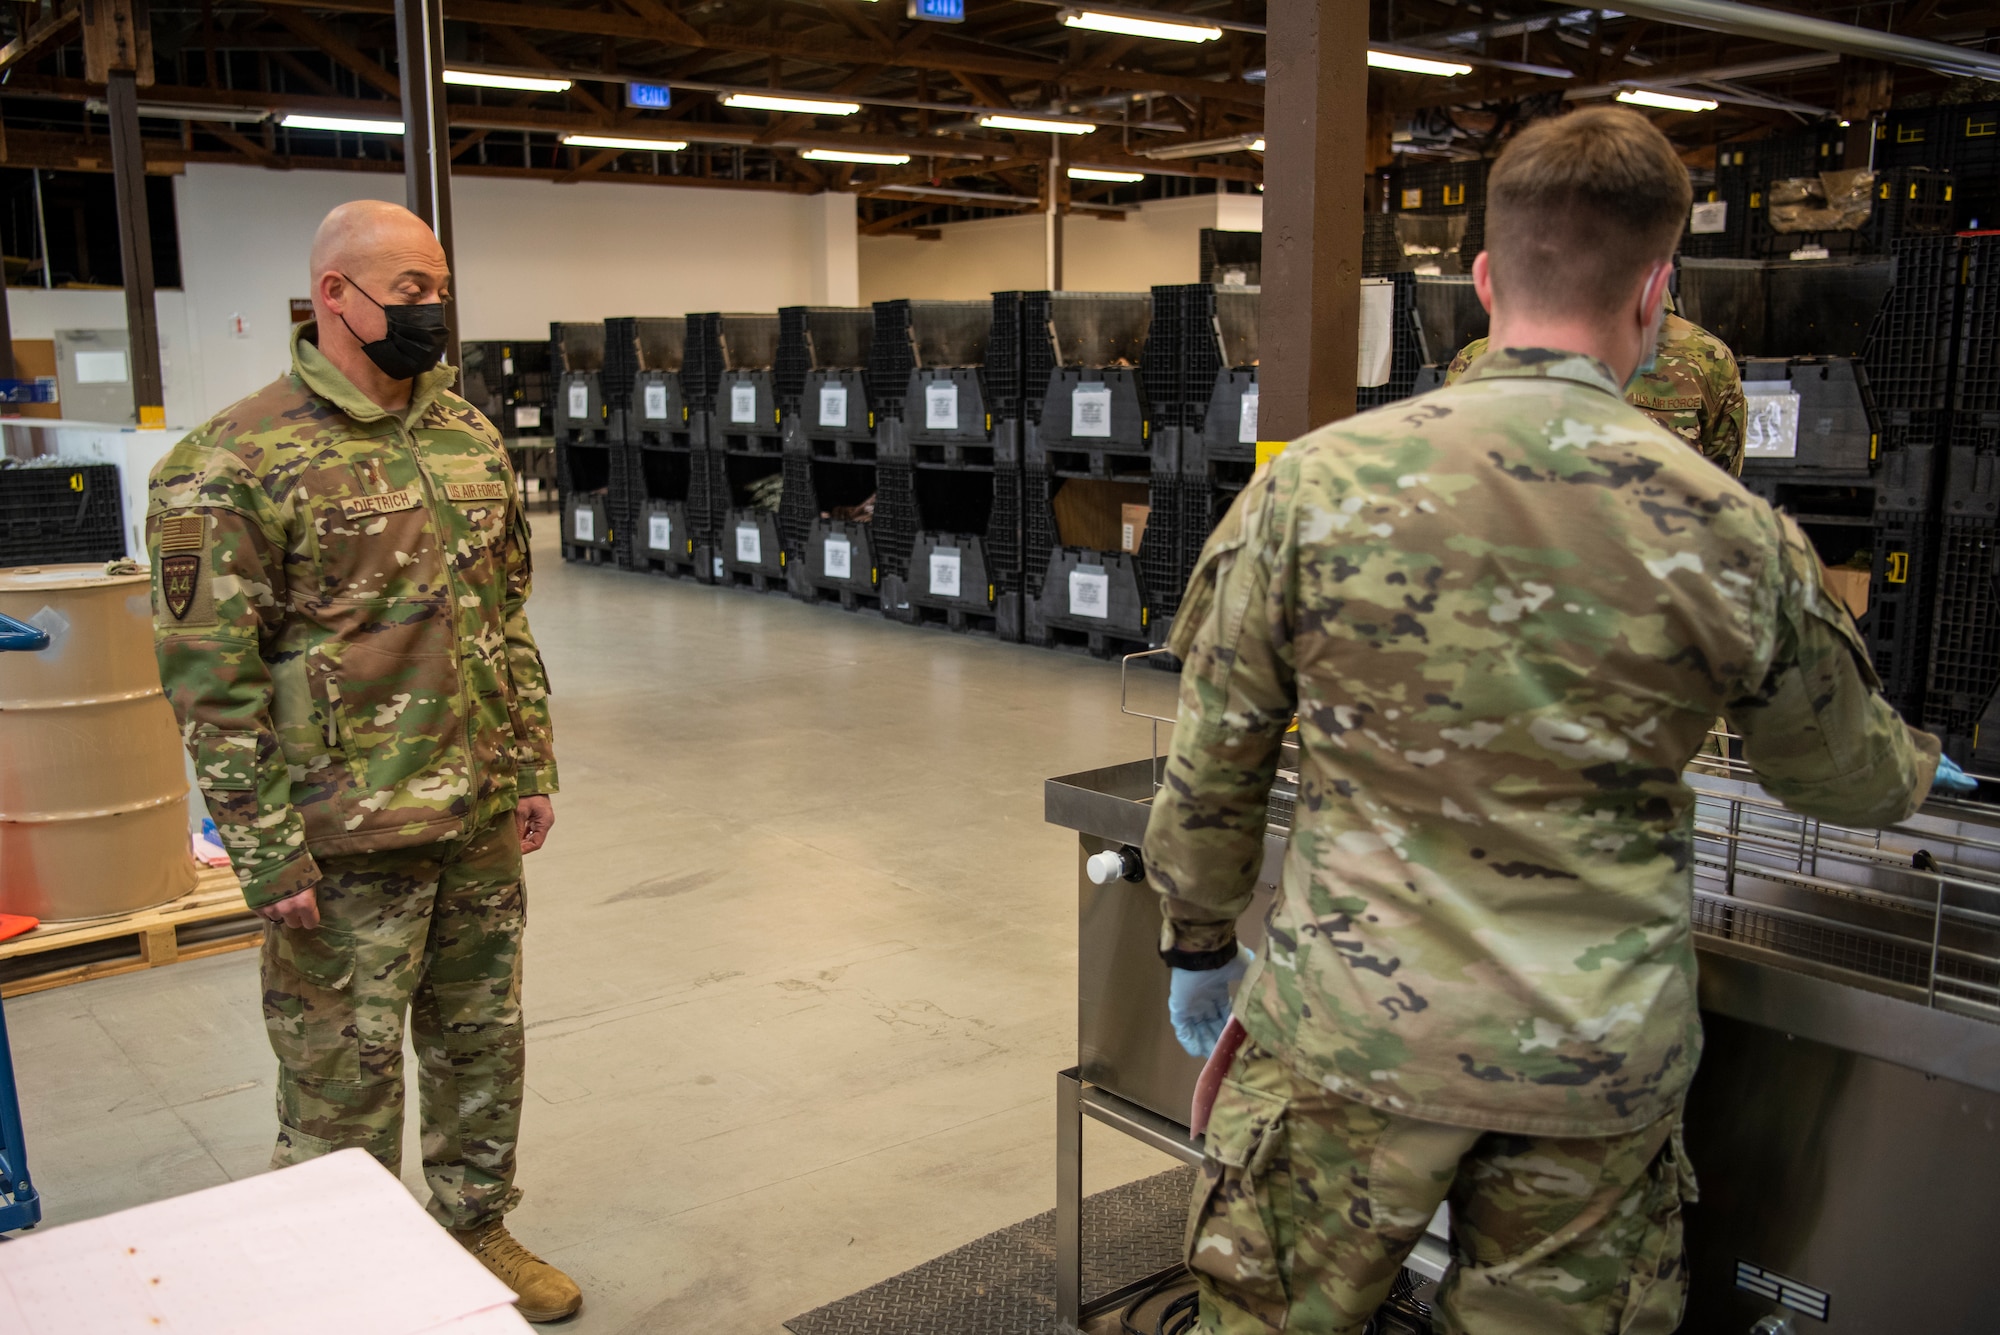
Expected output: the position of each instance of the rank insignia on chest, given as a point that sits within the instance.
(476, 491)
(180, 579)
(382, 503)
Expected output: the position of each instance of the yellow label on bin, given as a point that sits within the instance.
(152, 415)
(1268, 450)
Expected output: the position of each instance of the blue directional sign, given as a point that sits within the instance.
(938, 11)
(656, 96)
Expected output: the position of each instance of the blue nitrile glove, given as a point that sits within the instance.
(1953, 779)
(1198, 1003)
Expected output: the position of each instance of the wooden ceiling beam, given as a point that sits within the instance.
(338, 47)
(34, 39)
(818, 49)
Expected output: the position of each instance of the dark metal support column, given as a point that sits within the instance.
(426, 125)
(1315, 127)
(135, 249)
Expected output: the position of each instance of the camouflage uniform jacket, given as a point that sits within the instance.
(338, 597)
(1694, 390)
(1506, 614)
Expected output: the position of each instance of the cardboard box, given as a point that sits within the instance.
(1132, 526)
(1851, 587)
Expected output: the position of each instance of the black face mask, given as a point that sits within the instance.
(413, 341)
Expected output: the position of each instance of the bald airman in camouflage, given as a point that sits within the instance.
(1693, 389)
(341, 573)
(1504, 615)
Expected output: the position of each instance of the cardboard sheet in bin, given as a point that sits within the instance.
(1090, 513)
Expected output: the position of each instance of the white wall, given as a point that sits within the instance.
(527, 252)
(1159, 242)
(35, 312)
(971, 260)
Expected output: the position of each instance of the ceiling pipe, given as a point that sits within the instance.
(1798, 30)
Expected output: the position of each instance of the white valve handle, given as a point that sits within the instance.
(1113, 864)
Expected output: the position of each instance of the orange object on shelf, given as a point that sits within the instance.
(14, 924)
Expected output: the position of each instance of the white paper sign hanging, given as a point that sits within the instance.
(1090, 411)
(742, 402)
(1709, 218)
(945, 567)
(660, 532)
(1772, 428)
(1378, 332)
(941, 405)
(586, 524)
(528, 417)
(1246, 423)
(749, 545)
(656, 401)
(833, 405)
(1089, 592)
(579, 400)
(838, 558)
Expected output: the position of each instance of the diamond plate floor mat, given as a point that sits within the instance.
(1005, 1282)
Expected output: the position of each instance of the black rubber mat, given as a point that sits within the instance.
(1005, 1282)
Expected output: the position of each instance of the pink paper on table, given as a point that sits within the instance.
(333, 1246)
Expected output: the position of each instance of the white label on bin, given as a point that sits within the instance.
(838, 558)
(749, 545)
(528, 418)
(1772, 428)
(1246, 423)
(656, 401)
(945, 568)
(586, 524)
(1709, 217)
(660, 532)
(833, 405)
(579, 400)
(1090, 411)
(1089, 592)
(742, 402)
(506, 366)
(941, 405)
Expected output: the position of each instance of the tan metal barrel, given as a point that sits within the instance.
(93, 786)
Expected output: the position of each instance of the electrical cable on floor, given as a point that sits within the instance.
(1180, 1315)
(1152, 1291)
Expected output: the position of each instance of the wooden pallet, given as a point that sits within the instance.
(211, 919)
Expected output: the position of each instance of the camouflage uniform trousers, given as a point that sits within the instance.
(1307, 1204)
(434, 931)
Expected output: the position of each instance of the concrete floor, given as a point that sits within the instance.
(801, 965)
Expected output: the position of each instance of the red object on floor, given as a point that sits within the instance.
(13, 924)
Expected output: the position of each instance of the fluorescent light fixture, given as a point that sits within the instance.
(1391, 60)
(851, 155)
(1102, 174)
(518, 82)
(297, 122)
(618, 141)
(181, 111)
(1235, 143)
(1045, 127)
(1646, 97)
(1131, 25)
(804, 106)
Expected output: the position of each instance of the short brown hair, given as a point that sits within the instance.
(1578, 206)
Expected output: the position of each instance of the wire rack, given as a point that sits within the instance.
(1912, 910)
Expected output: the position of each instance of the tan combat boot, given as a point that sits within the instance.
(546, 1293)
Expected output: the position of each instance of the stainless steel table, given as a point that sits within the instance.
(1845, 1122)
